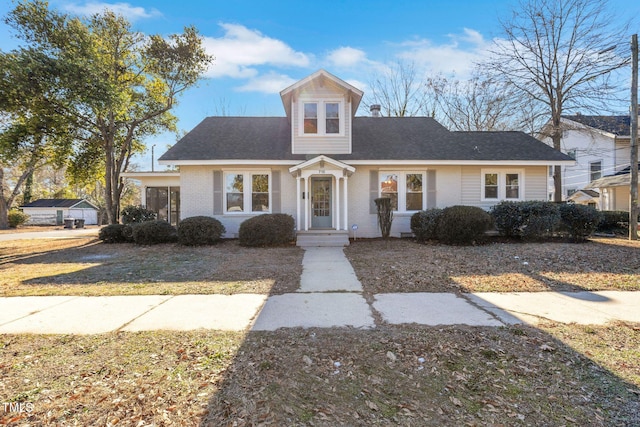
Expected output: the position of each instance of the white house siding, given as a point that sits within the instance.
(197, 195)
(333, 144)
(534, 182)
(359, 211)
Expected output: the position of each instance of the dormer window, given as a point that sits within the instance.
(322, 118)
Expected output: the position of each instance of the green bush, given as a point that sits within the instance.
(613, 221)
(463, 225)
(267, 230)
(579, 221)
(531, 220)
(153, 232)
(200, 230)
(136, 215)
(114, 233)
(17, 218)
(424, 224)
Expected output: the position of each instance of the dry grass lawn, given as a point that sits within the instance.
(408, 375)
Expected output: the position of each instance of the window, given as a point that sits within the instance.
(572, 153)
(405, 189)
(502, 185)
(246, 192)
(322, 118)
(165, 202)
(595, 169)
(310, 118)
(571, 192)
(332, 117)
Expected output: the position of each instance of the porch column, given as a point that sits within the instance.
(298, 197)
(307, 204)
(346, 203)
(337, 203)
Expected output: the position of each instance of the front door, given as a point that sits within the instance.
(321, 203)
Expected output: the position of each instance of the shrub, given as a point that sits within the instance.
(136, 214)
(267, 230)
(153, 232)
(114, 233)
(424, 224)
(462, 224)
(530, 220)
(385, 215)
(613, 221)
(580, 221)
(200, 230)
(17, 218)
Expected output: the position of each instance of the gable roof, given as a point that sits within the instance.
(57, 203)
(219, 139)
(319, 76)
(616, 125)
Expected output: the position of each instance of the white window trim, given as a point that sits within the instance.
(601, 168)
(247, 190)
(322, 119)
(502, 184)
(402, 188)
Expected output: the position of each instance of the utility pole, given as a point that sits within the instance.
(633, 185)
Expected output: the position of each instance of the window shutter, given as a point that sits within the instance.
(373, 191)
(431, 189)
(217, 192)
(275, 192)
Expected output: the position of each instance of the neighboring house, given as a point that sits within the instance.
(325, 167)
(615, 190)
(600, 147)
(54, 211)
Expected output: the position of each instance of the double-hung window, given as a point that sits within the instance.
(502, 185)
(322, 118)
(405, 189)
(246, 192)
(595, 170)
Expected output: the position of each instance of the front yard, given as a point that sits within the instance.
(553, 374)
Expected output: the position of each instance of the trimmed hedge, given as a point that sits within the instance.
(200, 230)
(463, 225)
(613, 221)
(136, 215)
(267, 230)
(425, 223)
(153, 232)
(114, 233)
(532, 220)
(17, 218)
(579, 221)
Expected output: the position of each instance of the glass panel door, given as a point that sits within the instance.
(321, 203)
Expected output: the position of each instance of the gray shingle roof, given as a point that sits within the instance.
(617, 125)
(374, 138)
(52, 203)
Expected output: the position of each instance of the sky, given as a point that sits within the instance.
(263, 46)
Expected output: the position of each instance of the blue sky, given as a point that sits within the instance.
(261, 47)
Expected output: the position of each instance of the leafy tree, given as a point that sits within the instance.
(558, 53)
(115, 85)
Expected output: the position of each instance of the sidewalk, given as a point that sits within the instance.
(330, 296)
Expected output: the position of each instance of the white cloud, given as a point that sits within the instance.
(346, 57)
(240, 50)
(267, 83)
(458, 56)
(132, 13)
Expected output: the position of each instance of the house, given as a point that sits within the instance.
(600, 146)
(324, 165)
(615, 189)
(54, 211)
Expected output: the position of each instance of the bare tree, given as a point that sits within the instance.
(400, 91)
(560, 53)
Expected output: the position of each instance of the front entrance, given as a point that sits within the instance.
(321, 208)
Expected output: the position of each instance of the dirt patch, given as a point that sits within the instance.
(402, 265)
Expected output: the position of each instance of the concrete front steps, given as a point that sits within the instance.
(315, 238)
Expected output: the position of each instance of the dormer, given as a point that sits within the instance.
(320, 109)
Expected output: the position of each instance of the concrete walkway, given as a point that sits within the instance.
(330, 296)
